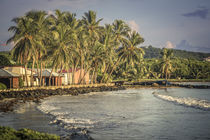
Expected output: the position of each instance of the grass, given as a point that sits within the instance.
(7, 133)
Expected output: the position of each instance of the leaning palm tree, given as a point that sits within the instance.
(62, 40)
(121, 30)
(24, 41)
(166, 64)
(109, 43)
(41, 35)
(92, 33)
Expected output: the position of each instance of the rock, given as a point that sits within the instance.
(155, 85)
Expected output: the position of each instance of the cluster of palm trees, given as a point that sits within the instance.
(61, 41)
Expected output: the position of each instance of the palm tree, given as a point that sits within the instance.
(24, 41)
(166, 64)
(130, 51)
(92, 33)
(121, 30)
(62, 41)
(109, 43)
(41, 35)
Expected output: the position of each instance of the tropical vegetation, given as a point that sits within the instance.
(7, 133)
(110, 52)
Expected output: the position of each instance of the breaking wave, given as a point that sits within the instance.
(190, 102)
(62, 118)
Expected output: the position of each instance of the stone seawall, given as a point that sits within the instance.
(11, 97)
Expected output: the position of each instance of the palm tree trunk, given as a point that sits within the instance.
(106, 68)
(26, 78)
(60, 75)
(95, 75)
(114, 67)
(32, 70)
(49, 81)
(74, 70)
(38, 72)
(41, 80)
(73, 74)
(83, 77)
(92, 76)
(81, 68)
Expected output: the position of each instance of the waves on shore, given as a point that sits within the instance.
(190, 102)
(62, 118)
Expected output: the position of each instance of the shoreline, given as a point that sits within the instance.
(9, 99)
(25, 101)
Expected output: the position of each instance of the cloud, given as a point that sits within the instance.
(50, 12)
(169, 45)
(134, 26)
(202, 13)
(185, 45)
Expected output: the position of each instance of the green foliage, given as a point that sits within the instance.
(2, 86)
(4, 61)
(21, 84)
(110, 52)
(7, 133)
(152, 52)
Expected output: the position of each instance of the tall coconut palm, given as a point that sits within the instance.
(109, 43)
(41, 34)
(62, 41)
(24, 41)
(166, 64)
(93, 32)
(130, 51)
(121, 30)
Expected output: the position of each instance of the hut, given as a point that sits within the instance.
(56, 80)
(10, 79)
(19, 70)
(68, 75)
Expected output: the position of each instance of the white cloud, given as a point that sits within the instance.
(134, 26)
(50, 12)
(169, 45)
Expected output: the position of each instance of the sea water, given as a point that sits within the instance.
(133, 114)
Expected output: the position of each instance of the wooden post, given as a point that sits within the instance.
(56, 81)
(10, 82)
(53, 81)
(43, 81)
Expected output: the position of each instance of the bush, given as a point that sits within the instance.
(7, 133)
(21, 82)
(11, 134)
(2, 86)
(4, 61)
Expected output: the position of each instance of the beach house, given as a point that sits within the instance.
(67, 78)
(10, 79)
(56, 79)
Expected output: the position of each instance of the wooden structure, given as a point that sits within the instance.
(11, 80)
(56, 80)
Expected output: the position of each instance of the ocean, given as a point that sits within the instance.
(132, 114)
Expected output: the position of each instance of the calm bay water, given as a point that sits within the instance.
(173, 113)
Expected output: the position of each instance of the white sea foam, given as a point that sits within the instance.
(63, 118)
(191, 102)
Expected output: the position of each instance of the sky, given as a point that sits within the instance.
(179, 24)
